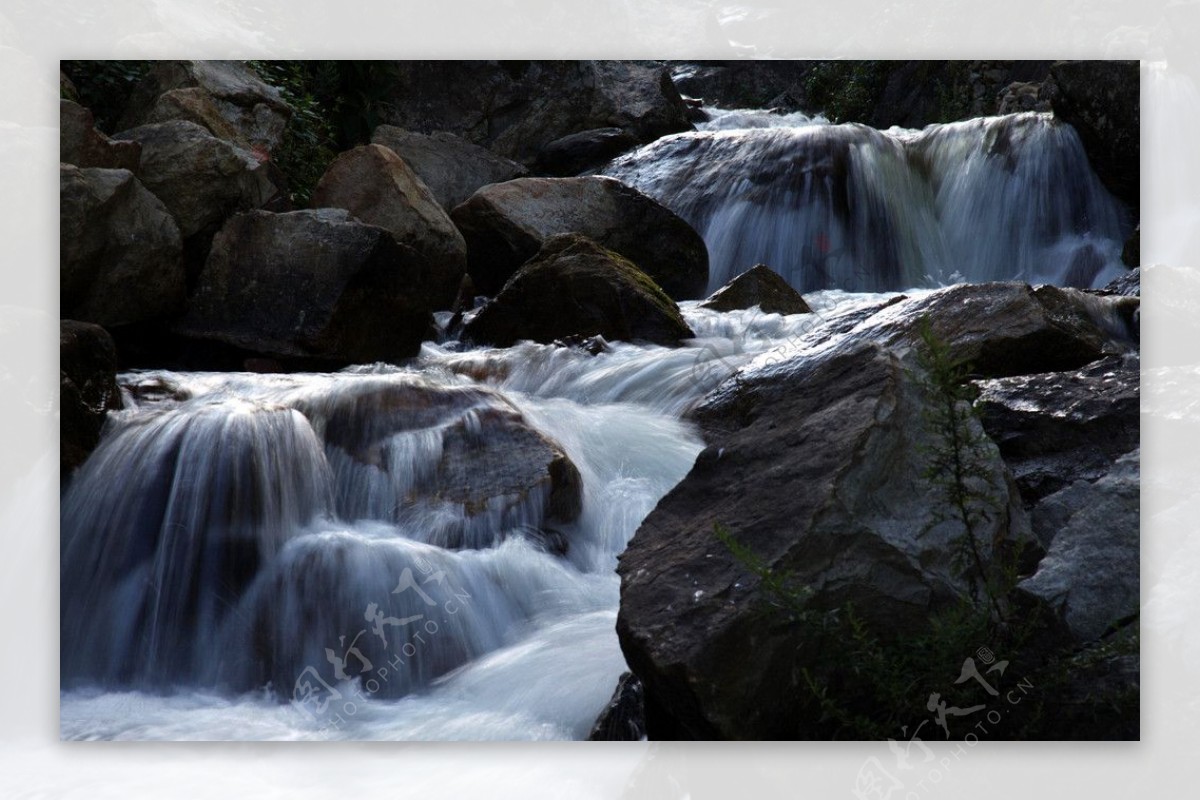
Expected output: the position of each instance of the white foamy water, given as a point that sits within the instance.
(264, 556)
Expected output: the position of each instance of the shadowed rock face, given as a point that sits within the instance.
(817, 463)
(1101, 100)
(225, 97)
(313, 284)
(814, 465)
(505, 225)
(759, 286)
(120, 251)
(1090, 571)
(449, 165)
(575, 288)
(1054, 429)
(412, 449)
(378, 187)
(88, 365)
(201, 179)
(515, 108)
(82, 145)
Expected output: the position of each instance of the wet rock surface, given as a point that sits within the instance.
(576, 288)
(505, 224)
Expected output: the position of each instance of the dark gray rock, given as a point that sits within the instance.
(1129, 284)
(79, 142)
(815, 464)
(1090, 572)
(1102, 101)
(227, 98)
(202, 180)
(1055, 429)
(378, 187)
(759, 286)
(500, 475)
(624, 718)
(578, 152)
(574, 287)
(88, 382)
(515, 108)
(120, 251)
(449, 165)
(314, 284)
(505, 224)
(1005, 329)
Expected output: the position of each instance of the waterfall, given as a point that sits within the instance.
(853, 208)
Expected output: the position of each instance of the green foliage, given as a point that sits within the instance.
(956, 453)
(104, 87)
(846, 91)
(337, 105)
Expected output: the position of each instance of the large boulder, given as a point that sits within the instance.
(119, 249)
(1055, 429)
(1102, 101)
(576, 288)
(1005, 329)
(201, 179)
(449, 165)
(225, 97)
(578, 152)
(816, 465)
(1090, 571)
(88, 382)
(515, 108)
(505, 224)
(459, 460)
(378, 187)
(310, 284)
(79, 142)
(759, 286)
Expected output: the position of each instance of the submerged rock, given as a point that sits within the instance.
(449, 165)
(759, 286)
(505, 224)
(815, 465)
(120, 251)
(457, 462)
(576, 288)
(88, 382)
(314, 284)
(378, 187)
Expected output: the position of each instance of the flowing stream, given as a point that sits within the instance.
(428, 551)
(858, 209)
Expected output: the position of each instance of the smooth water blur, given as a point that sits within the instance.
(239, 541)
(853, 208)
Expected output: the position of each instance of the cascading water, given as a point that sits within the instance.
(240, 541)
(853, 208)
(428, 552)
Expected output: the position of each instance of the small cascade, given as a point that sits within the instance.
(171, 518)
(853, 208)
